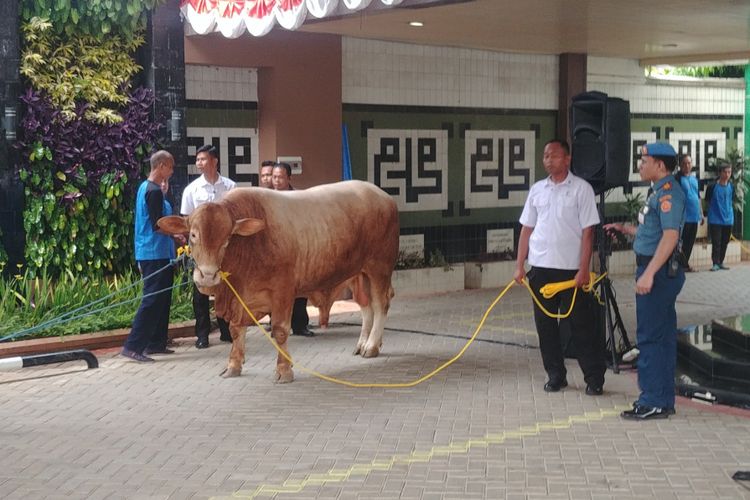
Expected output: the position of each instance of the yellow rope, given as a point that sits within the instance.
(731, 236)
(286, 356)
(550, 290)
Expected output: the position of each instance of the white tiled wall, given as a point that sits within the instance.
(219, 83)
(377, 72)
(626, 79)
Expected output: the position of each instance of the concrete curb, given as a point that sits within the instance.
(91, 341)
(116, 338)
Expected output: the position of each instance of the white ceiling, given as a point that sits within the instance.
(652, 31)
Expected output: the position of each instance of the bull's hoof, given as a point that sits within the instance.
(284, 377)
(371, 352)
(360, 348)
(231, 372)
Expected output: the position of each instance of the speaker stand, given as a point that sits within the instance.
(616, 335)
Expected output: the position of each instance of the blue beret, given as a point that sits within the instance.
(658, 149)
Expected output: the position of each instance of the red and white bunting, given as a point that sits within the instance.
(232, 17)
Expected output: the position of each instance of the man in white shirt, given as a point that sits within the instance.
(557, 233)
(209, 187)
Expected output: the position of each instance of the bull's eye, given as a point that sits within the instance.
(193, 236)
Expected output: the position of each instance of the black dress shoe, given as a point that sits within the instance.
(642, 412)
(225, 339)
(594, 390)
(555, 386)
(304, 333)
(201, 343)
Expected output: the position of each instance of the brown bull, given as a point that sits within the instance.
(278, 245)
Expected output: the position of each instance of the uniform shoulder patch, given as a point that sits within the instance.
(666, 206)
(667, 186)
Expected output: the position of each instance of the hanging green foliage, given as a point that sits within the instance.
(79, 180)
(97, 18)
(79, 68)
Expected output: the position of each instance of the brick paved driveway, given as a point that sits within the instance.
(483, 428)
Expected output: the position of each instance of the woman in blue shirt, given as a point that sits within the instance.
(720, 197)
(693, 212)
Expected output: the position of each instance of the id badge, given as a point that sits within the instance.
(642, 214)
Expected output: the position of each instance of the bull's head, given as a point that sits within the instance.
(210, 228)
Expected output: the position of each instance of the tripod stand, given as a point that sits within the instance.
(612, 318)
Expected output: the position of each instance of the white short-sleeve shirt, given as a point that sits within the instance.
(558, 213)
(201, 191)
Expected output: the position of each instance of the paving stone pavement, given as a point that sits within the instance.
(482, 428)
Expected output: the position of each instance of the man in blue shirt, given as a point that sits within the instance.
(153, 252)
(693, 212)
(720, 197)
(657, 284)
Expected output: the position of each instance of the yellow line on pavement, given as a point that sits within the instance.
(462, 447)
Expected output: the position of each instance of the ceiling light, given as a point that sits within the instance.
(416, 24)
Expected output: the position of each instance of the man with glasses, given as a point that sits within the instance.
(209, 187)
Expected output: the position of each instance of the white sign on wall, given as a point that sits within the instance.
(499, 240)
(411, 244)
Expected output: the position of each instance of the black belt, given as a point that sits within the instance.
(643, 260)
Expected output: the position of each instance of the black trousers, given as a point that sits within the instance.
(719, 242)
(300, 319)
(152, 318)
(689, 230)
(201, 308)
(587, 338)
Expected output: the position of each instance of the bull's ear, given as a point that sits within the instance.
(173, 224)
(246, 227)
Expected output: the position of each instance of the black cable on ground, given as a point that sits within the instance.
(448, 335)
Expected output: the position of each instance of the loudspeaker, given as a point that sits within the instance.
(600, 146)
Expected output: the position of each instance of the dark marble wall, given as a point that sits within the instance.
(11, 190)
(163, 60)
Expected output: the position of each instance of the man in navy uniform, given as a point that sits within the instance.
(658, 282)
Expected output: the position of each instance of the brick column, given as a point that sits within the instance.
(571, 82)
(11, 189)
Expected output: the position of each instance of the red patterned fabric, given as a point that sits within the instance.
(260, 8)
(288, 4)
(233, 17)
(230, 8)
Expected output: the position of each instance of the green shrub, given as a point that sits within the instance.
(74, 68)
(27, 300)
(98, 18)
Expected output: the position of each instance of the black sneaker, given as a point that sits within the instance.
(668, 411)
(201, 343)
(642, 412)
(555, 386)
